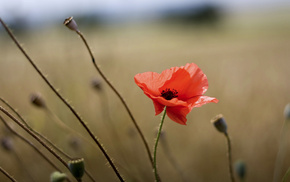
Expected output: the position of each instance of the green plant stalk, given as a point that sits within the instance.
(281, 153)
(7, 174)
(157, 178)
(119, 96)
(286, 175)
(230, 161)
(29, 143)
(96, 140)
(43, 137)
(33, 135)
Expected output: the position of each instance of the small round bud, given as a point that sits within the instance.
(287, 112)
(96, 84)
(240, 168)
(220, 123)
(74, 143)
(57, 177)
(71, 24)
(7, 143)
(77, 167)
(37, 100)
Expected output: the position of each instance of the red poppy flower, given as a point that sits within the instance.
(180, 89)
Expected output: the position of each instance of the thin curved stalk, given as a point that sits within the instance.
(7, 174)
(230, 161)
(286, 175)
(281, 153)
(33, 135)
(119, 96)
(157, 178)
(43, 137)
(82, 122)
(29, 143)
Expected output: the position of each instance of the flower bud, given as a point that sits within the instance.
(220, 123)
(287, 112)
(57, 177)
(71, 24)
(97, 84)
(7, 143)
(37, 100)
(77, 167)
(75, 143)
(240, 168)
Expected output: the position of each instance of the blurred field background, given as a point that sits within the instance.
(245, 57)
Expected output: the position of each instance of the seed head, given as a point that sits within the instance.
(220, 123)
(37, 100)
(7, 143)
(240, 168)
(96, 84)
(287, 112)
(57, 177)
(77, 167)
(71, 24)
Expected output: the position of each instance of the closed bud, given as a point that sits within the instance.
(57, 177)
(287, 112)
(71, 24)
(37, 100)
(75, 143)
(97, 84)
(77, 167)
(7, 143)
(240, 168)
(220, 123)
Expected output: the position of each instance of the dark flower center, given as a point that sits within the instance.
(169, 94)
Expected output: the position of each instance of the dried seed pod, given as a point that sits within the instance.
(77, 167)
(97, 84)
(287, 112)
(71, 24)
(7, 143)
(220, 123)
(37, 100)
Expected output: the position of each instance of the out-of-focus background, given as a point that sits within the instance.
(242, 46)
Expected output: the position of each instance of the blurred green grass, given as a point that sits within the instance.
(246, 61)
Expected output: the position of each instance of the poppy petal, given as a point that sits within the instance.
(158, 107)
(150, 82)
(201, 100)
(178, 114)
(189, 81)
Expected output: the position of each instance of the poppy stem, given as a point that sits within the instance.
(157, 178)
(281, 152)
(82, 122)
(41, 136)
(119, 96)
(230, 157)
(7, 174)
(286, 175)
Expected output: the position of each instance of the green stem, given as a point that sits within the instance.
(82, 122)
(7, 175)
(230, 157)
(119, 96)
(157, 178)
(42, 137)
(281, 153)
(286, 175)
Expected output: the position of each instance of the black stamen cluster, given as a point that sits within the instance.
(169, 94)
